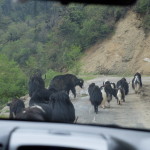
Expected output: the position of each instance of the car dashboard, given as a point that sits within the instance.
(21, 135)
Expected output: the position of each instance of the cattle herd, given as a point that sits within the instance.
(53, 104)
(99, 96)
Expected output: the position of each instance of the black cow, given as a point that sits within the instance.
(35, 83)
(110, 90)
(106, 94)
(66, 83)
(59, 109)
(114, 89)
(41, 96)
(124, 85)
(36, 113)
(90, 88)
(62, 108)
(137, 82)
(95, 96)
(16, 106)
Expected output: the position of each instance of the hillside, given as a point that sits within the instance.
(51, 38)
(126, 52)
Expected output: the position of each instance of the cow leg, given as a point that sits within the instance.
(119, 102)
(108, 105)
(104, 101)
(123, 99)
(67, 91)
(96, 109)
(11, 115)
(73, 90)
(116, 97)
(103, 104)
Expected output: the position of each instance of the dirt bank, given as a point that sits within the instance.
(126, 52)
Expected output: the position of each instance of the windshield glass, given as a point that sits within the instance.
(76, 63)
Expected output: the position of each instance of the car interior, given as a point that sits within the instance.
(81, 126)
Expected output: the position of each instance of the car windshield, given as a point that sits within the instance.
(75, 63)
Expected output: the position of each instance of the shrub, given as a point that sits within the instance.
(13, 82)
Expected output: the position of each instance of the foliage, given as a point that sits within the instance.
(47, 35)
(76, 69)
(71, 57)
(52, 38)
(142, 6)
(50, 74)
(143, 9)
(12, 80)
(146, 23)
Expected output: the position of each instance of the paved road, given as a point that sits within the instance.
(135, 112)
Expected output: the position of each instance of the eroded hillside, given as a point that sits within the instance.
(126, 52)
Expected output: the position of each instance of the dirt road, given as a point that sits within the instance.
(135, 112)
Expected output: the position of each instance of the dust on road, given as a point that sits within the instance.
(135, 112)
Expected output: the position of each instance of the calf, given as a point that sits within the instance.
(111, 88)
(109, 92)
(104, 95)
(120, 96)
(16, 106)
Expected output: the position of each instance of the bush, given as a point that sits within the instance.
(53, 36)
(76, 69)
(72, 55)
(13, 82)
(143, 9)
(50, 74)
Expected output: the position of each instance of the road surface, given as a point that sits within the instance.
(135, 112)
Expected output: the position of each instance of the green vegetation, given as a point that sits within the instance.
(52, 38)
(49, 75)
(143, 9)
(4, 116)
(89, 76)
(12, 80)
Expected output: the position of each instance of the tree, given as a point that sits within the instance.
(12, 80)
